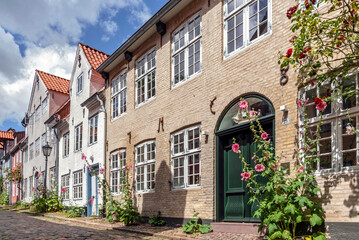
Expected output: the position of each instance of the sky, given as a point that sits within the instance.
(43, 34)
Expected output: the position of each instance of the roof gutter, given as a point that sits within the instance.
(151, 22)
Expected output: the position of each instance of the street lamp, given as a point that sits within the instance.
(46, 150)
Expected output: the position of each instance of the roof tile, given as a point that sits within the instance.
(94, 56)
(54, 83)
(6, 134)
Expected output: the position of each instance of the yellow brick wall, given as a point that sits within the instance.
(253, 70)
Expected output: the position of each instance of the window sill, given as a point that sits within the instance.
(345, 170)
(198, 187)
(146, 191)
(187, 80)
(91, 144)
(227, 56)
(143, 103)
(119, 116)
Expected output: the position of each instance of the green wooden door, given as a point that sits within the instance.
(236, 194)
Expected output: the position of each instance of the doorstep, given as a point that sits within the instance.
(237, 227)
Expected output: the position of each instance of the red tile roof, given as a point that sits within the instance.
(54, 83)
(94, 56)
(6, 135)
(1, 145)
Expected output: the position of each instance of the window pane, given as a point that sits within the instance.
(349, 159)
(253, 8)
(325, 162)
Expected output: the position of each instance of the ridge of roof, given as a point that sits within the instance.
(53, 82)
(94, 57)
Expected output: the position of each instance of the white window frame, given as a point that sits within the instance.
(32, 152)
(37, 147)
(31, 184)
(145, 76)
(78, 137)
(119, 95)
(66, 144)
(44, 105)
(146, 164)
(185, 154)
(337, 115)
(65, 184)
(80, 77)
(245, 8)
(37, 113)
(118, 169)
(44, 138)
(93, 124)
(77, 187)
(185, 48)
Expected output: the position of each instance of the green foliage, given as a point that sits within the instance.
(284, 201)
(73, 212)
(194, 226)
(45, 200)
(156, 220)
(4, 195)
(118, 211)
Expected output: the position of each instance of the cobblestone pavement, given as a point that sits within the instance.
(22, 226)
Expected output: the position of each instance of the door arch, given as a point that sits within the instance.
(232, 195)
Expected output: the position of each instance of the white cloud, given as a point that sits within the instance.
(47, 29)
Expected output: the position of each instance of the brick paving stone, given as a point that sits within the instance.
(22, 226)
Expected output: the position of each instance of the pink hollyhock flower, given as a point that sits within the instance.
(102, 170)
(259, 168)
(83, 156)
(235, 148)
(245, 175)
(350, 130)
(243, 104)
(252, 113)
(253, 157)
(264, 135)
(266, 155)
(321, 106)
(255, 161)
(306, 101)
(63, 190)
(128, 167)
(313, 133)
(39, 174)
(299, 103)
(32, 188)
(268, 141)
(275, 166)
(91, 200)
(300, 169)
(89, 168)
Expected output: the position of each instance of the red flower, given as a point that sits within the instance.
(291, 11)
(312, 83)
(63, 190)
(317, 101)
(289, 52)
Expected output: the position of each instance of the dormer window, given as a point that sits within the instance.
(80, 83)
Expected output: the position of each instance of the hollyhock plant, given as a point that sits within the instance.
(243, 104)
(259, 168)
(83, 156)
(63, 190)
(321, 106)
(245, 175)
(102, 170)
(299, 169)
(350, 130)
(289, 52)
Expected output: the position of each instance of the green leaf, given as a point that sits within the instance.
(195, 215)
(315, 220)
(290, 209)
(271, 228)
(276, 235)
(299, 219)
(319, 236)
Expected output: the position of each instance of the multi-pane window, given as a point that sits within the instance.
(65, 186)
(37, 114)
(186, 157)
(244, 22)
(119, 95)
(52, 177)
(77, 186)
(118, 163)
(31, 185)
(80, 83)
(93, 123)
(338, 145)
(186, 50)
(78, 137)
(25, 155)
(44, 139)
(145, 157)
(146, 77)
(25, 188)
(37, 147)
(31, 151)
(66, 143)
(44, 105)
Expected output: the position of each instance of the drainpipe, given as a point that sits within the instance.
(103, 109)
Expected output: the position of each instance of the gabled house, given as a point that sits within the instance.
(82, 131)
(48, 93)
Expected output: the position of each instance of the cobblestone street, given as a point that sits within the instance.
(22, 226)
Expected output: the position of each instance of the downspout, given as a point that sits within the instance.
(103, 109)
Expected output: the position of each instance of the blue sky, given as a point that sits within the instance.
(46, 37)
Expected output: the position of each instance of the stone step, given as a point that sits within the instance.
(236, 227)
